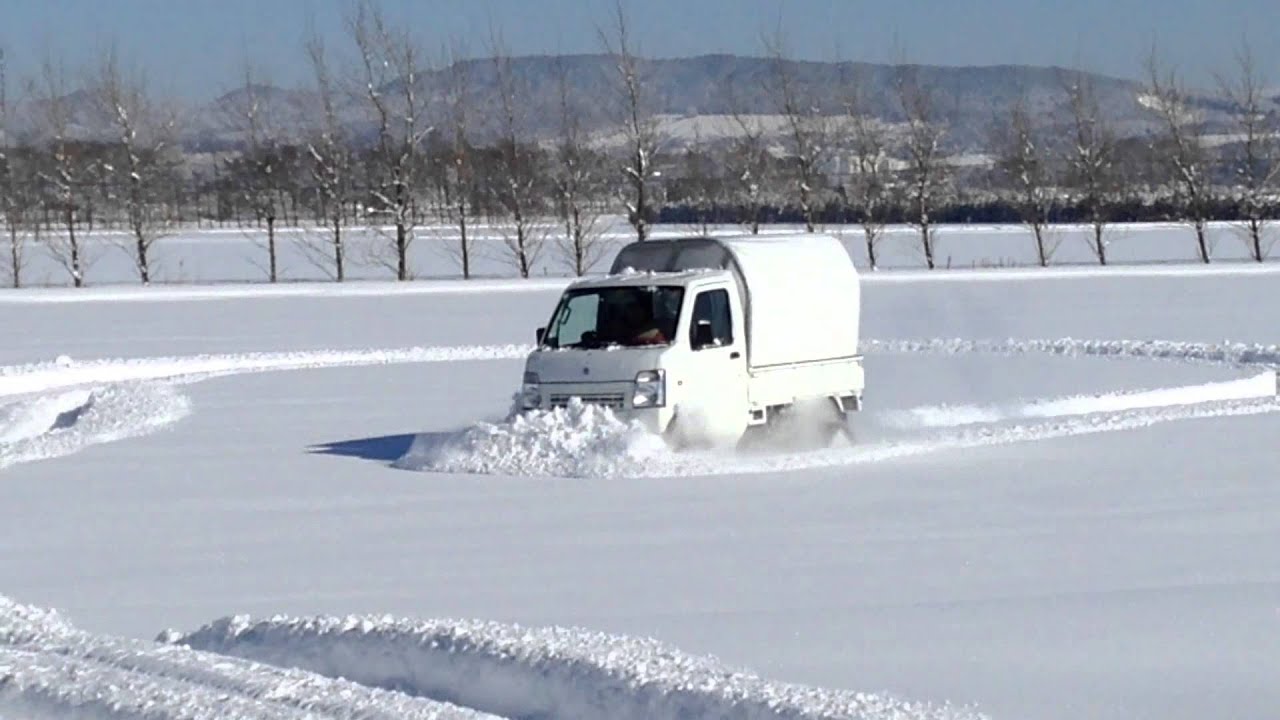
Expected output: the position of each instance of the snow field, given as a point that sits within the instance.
(521, 672)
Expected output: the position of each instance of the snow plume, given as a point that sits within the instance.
(42, 427)
(575, 441)
(50, 669)
(522, 672)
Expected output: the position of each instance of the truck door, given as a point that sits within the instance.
(717, 401)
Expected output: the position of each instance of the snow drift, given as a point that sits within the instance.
(50, 669)
(525, 672)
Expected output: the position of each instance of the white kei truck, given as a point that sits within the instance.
(704, 338)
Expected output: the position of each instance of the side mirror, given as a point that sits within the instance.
(542, 332)
(702, 335)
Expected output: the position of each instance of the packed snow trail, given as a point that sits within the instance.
(50, 669)
(522, 672)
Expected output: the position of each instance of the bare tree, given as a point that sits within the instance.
(391, 63)
(639, 126)
(926, 170)
(747, 162)
(518, 168)
(870, 184)
(457, 178)
(139, 168)
(14, 189)
(576, 179)
(261, 176)
(700, 183)
(808, 129)
(1090, 157)
(330, 160)
(69, 175)
(1255, 164)
(1022, 158)
(1180, 148)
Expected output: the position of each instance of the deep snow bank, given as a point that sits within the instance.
(50, 669)
(537, 672)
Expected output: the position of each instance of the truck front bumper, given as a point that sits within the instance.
(614, 396)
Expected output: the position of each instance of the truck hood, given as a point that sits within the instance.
(590, 366)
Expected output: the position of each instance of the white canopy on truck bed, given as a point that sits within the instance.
(801, 292)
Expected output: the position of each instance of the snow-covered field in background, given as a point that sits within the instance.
(209, 255)
(1062, 504)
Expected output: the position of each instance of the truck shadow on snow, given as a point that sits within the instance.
(384, 448)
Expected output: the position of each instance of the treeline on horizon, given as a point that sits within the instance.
(465, 155)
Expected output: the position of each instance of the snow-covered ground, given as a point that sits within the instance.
(1062, 505)
(231, 254)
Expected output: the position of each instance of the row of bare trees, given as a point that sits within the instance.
(421, 165)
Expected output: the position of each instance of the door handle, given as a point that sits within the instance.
(735, 355)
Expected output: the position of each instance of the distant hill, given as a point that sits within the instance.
(971, 100)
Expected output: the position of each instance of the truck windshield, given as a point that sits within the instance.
(630, 316)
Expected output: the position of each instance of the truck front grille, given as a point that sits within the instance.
(615, 401)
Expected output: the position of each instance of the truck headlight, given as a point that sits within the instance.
(531, 391)
(650, 390)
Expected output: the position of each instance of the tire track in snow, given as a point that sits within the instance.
(524, 672)
(581, 443)
(154, 406)
(133, 397)
(16, 380)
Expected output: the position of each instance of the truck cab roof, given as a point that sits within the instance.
(646, 278)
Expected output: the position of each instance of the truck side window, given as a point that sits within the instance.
(713, 306)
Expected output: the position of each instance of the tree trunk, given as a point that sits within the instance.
(1099, 247)
(15, 258)
(77, 275)
(144, 269)
(1038, 229)
(1255, 238)
(339, 256)
(271, 245)
(1202, 241)
(871, 246)
(466, 248)
(402, 251)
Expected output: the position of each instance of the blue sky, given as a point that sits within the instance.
(196, 47)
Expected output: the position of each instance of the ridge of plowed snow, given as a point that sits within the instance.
(516, 671)
(116, 412)
(931, 416)
(44, 377)
(50, 669)
(1226, 353)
